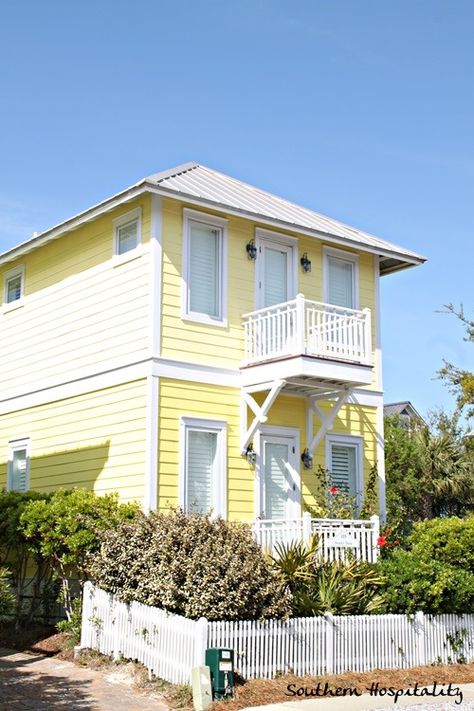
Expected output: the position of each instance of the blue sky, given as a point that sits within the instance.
(360, 109)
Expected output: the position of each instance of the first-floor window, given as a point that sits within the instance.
(344, 459)
(203, 466)
(18, 465)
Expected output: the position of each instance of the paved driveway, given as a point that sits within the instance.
(37, 683)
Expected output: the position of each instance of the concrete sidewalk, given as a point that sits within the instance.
(368, 702)
(38, 683)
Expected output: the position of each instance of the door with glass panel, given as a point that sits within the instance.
(279, 477)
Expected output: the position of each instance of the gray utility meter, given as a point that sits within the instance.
(221, 663)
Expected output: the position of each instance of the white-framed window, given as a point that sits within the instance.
(127, 231)
(345, 461)
(203, 465)
(341, 278)
(204, 268)
(14, 282)
(18, 475)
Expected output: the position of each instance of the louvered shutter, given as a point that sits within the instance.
(340, 275)
(19, 470)
(343, 468)
(127, 237)
(204, 276)
(201, 462)
(275, 277)
(276, 484)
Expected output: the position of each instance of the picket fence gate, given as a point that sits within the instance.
(170, 645)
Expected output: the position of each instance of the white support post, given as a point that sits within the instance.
(306, 527)
(420, 635)
(375, 535)
(367, 336)
(200, 642)
(330, 633)
(300, 335)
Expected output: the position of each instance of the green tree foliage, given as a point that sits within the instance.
(189, 564)
(7, 598)
(460, 381)
(64, 530)
(317, 587)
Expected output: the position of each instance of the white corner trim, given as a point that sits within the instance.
(378, 325)
(380, 459)
(347, 257)
(186, 314)
(156, 266)
(150, 499)
(220, 474)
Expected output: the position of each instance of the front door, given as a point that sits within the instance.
(279, 477)
(275, 273)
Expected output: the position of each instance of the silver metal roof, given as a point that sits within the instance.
(197, 181)
(200, 185)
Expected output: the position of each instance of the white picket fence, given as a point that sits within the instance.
(170, 645)
(337, 537)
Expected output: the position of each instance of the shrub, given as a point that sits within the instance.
(7, 598)
(448, 540)
(189, 564)
(413, 582)
(64, 530)
(318, 587)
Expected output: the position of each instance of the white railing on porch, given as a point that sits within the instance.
(304, 327)
(337, 537)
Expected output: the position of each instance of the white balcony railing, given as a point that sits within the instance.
(303, 327)
(337, 538)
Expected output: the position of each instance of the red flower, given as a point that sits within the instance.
(396, 543)
(333, 490)
(381, 541)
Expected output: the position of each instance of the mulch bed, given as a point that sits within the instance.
(35, 638)
(259, 692)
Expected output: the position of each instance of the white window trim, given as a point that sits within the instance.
(15, 445)
(11, 274)
(262, 235)
(219, 507)
(358, 444)
(348, 257)
(126, 217)
(213, 220)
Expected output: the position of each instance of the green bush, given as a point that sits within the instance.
(317, 587)
(413, 582)
(64, 530)
(447, 540)
(7, 598)
(191, 565)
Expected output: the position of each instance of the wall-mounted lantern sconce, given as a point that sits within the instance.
(307, 459)
(251, 455)
(305, 262)
(251, 250)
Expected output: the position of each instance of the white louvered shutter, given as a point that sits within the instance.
(275, 277)
(127, 237)
(204, 257)
(19, 470)
(343, 468)
(341, 275)
(276, 480)
(201, 462)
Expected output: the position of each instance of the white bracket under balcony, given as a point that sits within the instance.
(327, 421)
(260, 411)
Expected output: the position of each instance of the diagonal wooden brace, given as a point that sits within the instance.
(260, 412)
(327, 421)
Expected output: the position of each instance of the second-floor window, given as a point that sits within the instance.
(13, 285)
(341, 278)
(204, 268)
(127, 232)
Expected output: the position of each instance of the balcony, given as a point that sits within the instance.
(308, 339)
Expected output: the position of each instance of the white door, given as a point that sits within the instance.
(279, 477)
(275, 273)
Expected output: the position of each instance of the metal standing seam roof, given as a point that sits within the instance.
(204, 185)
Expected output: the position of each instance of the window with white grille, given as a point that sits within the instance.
(13, 285)
(203, 466)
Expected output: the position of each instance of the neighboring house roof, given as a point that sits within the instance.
(195, 183)
(403, 409)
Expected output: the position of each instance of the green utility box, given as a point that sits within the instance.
(221, 663)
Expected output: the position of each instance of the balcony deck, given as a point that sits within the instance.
(308, 341)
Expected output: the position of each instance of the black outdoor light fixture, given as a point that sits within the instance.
(251, 454)
(251, 250)
(307, 459)
(305, 262)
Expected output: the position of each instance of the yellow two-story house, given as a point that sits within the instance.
(195, 341)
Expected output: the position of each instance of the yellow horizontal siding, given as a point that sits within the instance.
(95, 440)
(179, 398)
(81, 314)
(224, 345)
